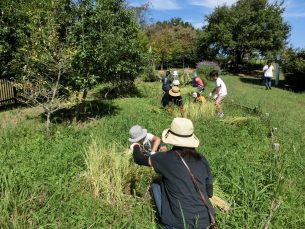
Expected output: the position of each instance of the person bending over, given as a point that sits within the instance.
(220, 92)
(148, 142)
(178, 203)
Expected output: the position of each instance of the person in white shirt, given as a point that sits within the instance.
(268, 74)
(219, 92)
(175, 74)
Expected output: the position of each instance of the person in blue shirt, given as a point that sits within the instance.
(166, 82)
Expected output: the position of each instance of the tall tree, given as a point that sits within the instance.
(13, 26)
(247, 26)
(172, 42)
(108, 41)
(46, 56)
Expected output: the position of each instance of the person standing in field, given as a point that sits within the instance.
(268, 74)
(220, 92)
(166, 82)
(179, 201)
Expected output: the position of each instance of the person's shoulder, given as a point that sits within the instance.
(149, 136)
(168, 155)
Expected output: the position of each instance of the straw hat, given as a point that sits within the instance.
(137, 133)
(181, 133)
(175, 91)
(175, 73)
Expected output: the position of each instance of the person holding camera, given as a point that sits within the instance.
(182, 194)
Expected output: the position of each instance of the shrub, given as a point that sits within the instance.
(293, 65)
(150, 75)
(205, 67)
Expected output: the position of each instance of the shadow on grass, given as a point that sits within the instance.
(282, 83)
(118, 91)
(11, 106)
(85, 111)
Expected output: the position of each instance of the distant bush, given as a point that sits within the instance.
(150, 75)
(204, 68)
(293, 65)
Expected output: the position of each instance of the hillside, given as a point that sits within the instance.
(82, 176)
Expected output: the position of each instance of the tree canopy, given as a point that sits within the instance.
(172, 42)
(244, 28)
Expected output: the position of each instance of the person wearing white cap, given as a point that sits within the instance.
(176, 83)
(181, 202)
(175, 74)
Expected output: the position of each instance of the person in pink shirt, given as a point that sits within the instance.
(197, 82)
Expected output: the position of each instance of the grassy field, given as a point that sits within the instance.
(82, 176)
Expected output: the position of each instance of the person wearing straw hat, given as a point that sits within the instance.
(178, 201)
(173, 97)
(149, 142)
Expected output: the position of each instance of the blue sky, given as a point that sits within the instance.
(193, 11)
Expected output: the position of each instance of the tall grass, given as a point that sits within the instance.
(41, 186)
(196, 111)
(107, 172)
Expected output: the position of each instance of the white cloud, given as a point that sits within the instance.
(211, 3)
(164, 4)
(198, 25)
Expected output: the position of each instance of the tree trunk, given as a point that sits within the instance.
(85, 93)
(48, 121)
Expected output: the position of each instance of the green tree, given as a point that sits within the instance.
(46, 57)
(172, 42)
(13, 26)
(245, 27)
(108, 39)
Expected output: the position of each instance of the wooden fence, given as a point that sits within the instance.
(7, 92)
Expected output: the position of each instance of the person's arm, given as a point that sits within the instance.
(156, 142)
(209, 179)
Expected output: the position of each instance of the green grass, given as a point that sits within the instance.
(83, 177)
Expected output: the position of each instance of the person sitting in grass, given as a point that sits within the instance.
(198, 98)
(180, 203)
(197, 82)
(219, 92)
(173, 98)
(149, 142)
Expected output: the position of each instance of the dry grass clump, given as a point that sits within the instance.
(195, 111)
(218, 199)
(107, 172)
